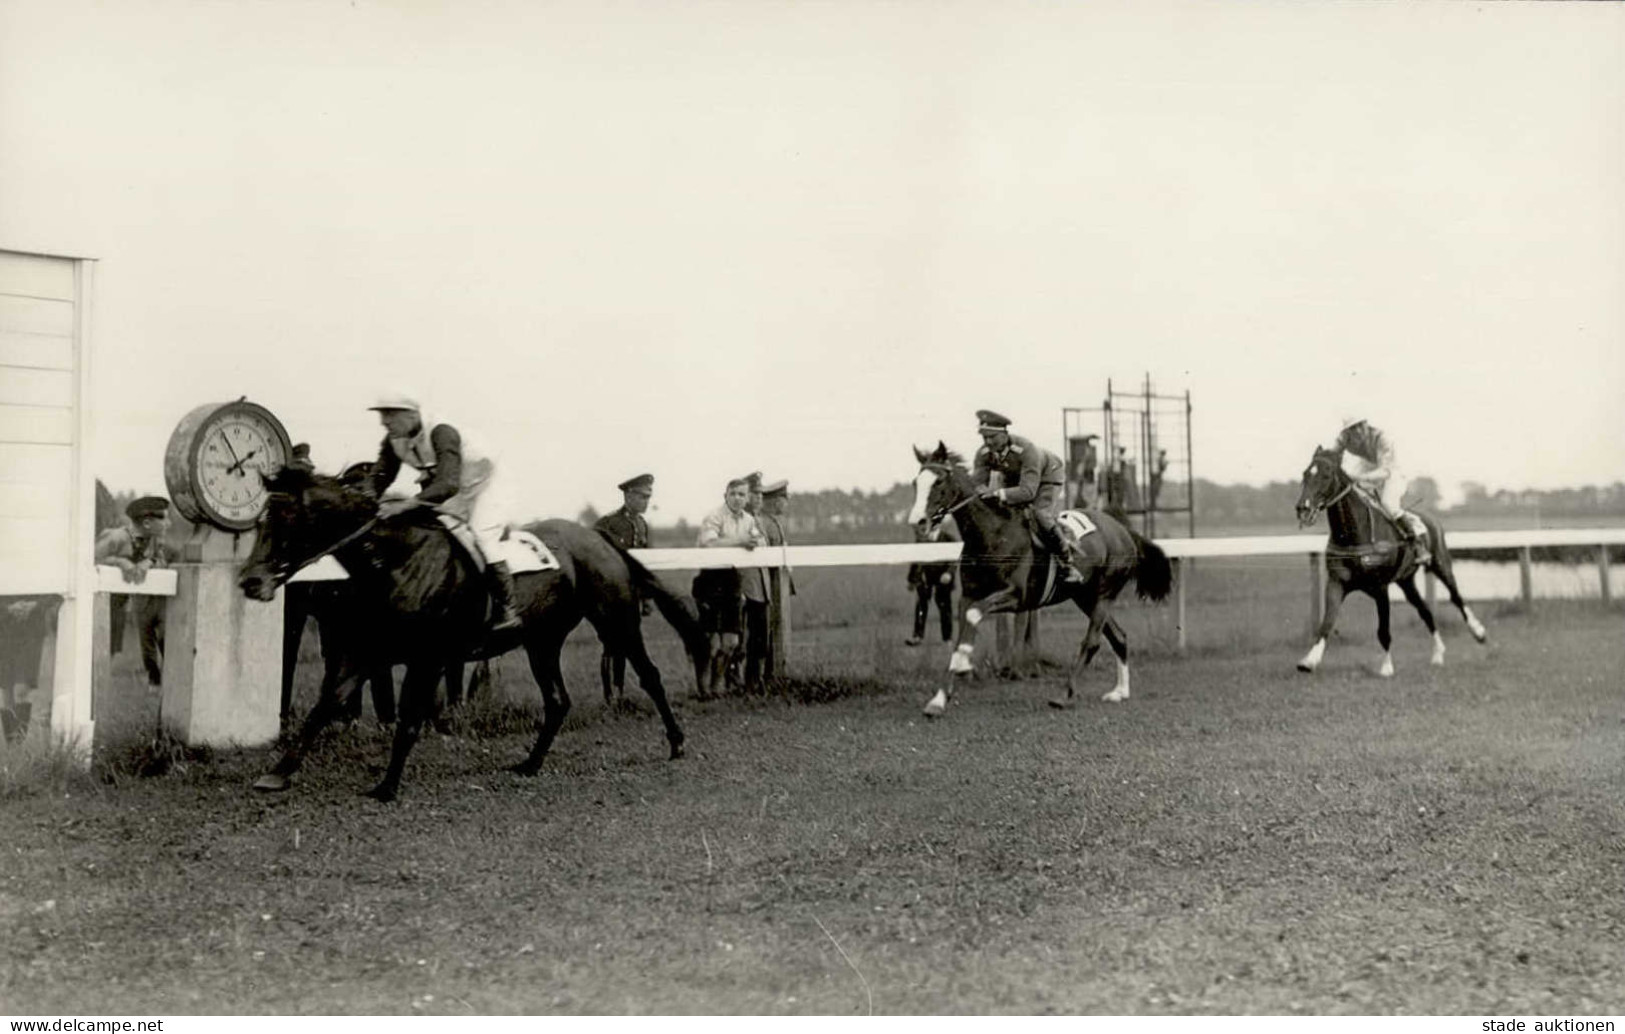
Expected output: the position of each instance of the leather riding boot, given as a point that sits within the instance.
(500, 583)
(1063, 552)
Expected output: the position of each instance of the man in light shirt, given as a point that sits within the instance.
(718, 591)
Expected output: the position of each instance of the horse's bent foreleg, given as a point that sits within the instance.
(1336, 591)
(329, 706)
(960, 663)
(1408, 587)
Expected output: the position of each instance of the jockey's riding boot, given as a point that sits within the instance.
(1063, 553)
(500, 583)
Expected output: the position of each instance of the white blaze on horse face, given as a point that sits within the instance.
(924, 481)
(960, 663)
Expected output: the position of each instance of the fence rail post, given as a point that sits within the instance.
(1602, 575)
(1180, 569)
(1526, 580)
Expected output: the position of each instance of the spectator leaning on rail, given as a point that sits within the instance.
(627, 528)
(717, 591)
(1370, 461)
(135, 550)
(1028, 476)
(452, 478)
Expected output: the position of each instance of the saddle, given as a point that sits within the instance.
(522, 551)
(1074, 526)
(1398, 551)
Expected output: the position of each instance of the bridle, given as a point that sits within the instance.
(936, 517)
(1316, 509)
(282, 570)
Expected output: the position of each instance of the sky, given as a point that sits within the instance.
(705, 238)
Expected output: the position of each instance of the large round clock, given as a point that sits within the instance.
(216, 460)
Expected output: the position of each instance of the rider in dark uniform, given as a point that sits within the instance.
(1028, 476)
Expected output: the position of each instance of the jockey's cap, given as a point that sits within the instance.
(987, 420)
(396, 400)
(641, 483)
(1350, 421)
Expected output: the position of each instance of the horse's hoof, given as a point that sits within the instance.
(1386, 671)
(676, 751)
(1116, 696)
(1306, 667)
(913, 640)
(937, 705)
(1061, 703)
(525, 768)
(380, 793)
(271, 782)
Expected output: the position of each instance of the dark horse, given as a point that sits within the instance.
(1367, 554)
(433, 607)
(1002, 570)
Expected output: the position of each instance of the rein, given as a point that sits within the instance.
(1322, 507)
(335, 547)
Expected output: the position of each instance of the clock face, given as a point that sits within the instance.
(217, 461)
(234, 453)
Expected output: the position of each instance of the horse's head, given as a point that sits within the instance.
(1324, 483)
(305, 517)
(940, 486)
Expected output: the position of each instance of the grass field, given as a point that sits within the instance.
(1237, 838)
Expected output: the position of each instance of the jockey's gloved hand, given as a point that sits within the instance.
(989, 493)
(395, 507)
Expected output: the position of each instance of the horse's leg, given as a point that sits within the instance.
(382, 681)
(1442, 566)
(1336, 591)
(631, 646)
(1119, 640)
(1086, 651)
(543, 649)
(328, 707)
(1384, 637)
(454, 684)
(606, 675)
(417, 706)
(1407, 585)
(922, 610)
(960, 664)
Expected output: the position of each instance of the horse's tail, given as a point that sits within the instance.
(1154, 575)
(676, 608)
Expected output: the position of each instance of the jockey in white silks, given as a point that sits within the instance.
(454, 478)
(1369, 460)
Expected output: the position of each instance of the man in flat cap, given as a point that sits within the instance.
(1013, 471)
(628, 529)
(135, 549)
(453, 476)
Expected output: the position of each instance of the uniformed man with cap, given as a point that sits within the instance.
(1027, 476)
(136, 549)
(452, 478)
(747, 665)
(781, 583)
(628, 529)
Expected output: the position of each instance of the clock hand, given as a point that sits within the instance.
(238, 466)
(227, 440)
